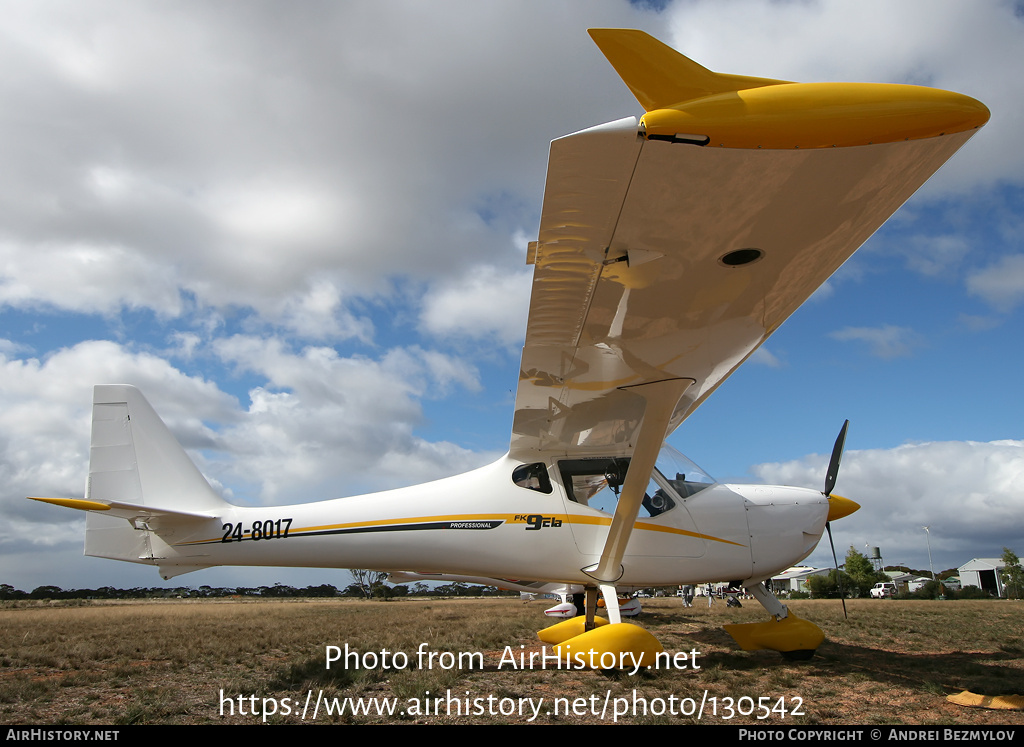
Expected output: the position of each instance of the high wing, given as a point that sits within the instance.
(670, 249)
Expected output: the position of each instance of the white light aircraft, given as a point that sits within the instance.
(669, 249)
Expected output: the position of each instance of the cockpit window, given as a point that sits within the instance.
(586, 478)
(597, 483)
(532, 477)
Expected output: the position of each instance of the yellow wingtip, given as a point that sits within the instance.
(686, 102)
(658, 75)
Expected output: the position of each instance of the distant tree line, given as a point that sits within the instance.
(378, 590)
(856, 577)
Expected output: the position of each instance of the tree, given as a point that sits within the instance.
(368, 580)
(47, 592)
(861, 573)
(1012, 574)
(928, 590)
(323, 590)
(9, 592)
(828, 587)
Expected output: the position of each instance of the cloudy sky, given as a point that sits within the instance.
(300, 229)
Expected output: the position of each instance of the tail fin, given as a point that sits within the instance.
(133, 458)
(659, 76)
(144, 495)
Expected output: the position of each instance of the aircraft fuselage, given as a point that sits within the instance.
(481, 523)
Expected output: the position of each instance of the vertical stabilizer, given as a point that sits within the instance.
(134, 459)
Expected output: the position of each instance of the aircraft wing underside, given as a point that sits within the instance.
(662, 260)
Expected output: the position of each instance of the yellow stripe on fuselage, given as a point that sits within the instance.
(578, 519)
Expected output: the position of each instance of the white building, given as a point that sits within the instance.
(795, 578)
(983, 573)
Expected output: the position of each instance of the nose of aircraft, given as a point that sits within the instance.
(838, 507)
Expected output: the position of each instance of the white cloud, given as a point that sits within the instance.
(486, 301)
(1001, 285)
(183, 345)
(9, 348)
(274, 212)
(933, 256)
(86, 278)
(947, 44)
(887, 341)
(970, 493)
(765, 357)
(319, 314)
(326, 425)
(225, 159)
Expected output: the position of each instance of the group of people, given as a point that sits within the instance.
(731, 595)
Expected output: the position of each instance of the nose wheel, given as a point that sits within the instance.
(793, 637)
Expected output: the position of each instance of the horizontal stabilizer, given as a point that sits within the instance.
(131, 511)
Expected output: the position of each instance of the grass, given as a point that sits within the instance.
(169, 661)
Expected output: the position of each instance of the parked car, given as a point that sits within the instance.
(917, 583)
(883, 590)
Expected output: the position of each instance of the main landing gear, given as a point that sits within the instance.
(589, 641)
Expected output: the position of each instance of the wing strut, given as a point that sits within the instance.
(661, 400)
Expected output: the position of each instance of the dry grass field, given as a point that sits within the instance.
(167, 662)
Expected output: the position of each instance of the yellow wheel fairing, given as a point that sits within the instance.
(625, 644)
(563, 631)
(789, 634)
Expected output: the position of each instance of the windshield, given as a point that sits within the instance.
(685, 477)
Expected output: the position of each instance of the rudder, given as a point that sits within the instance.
(134, 459)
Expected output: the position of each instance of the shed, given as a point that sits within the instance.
(983, 573)
(795, 578)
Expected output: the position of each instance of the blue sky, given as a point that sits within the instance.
(301, 231)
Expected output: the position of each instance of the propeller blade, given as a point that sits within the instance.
(835, 560)
(837, 457)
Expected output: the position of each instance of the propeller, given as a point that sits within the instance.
(837, 457)
(837, 507)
